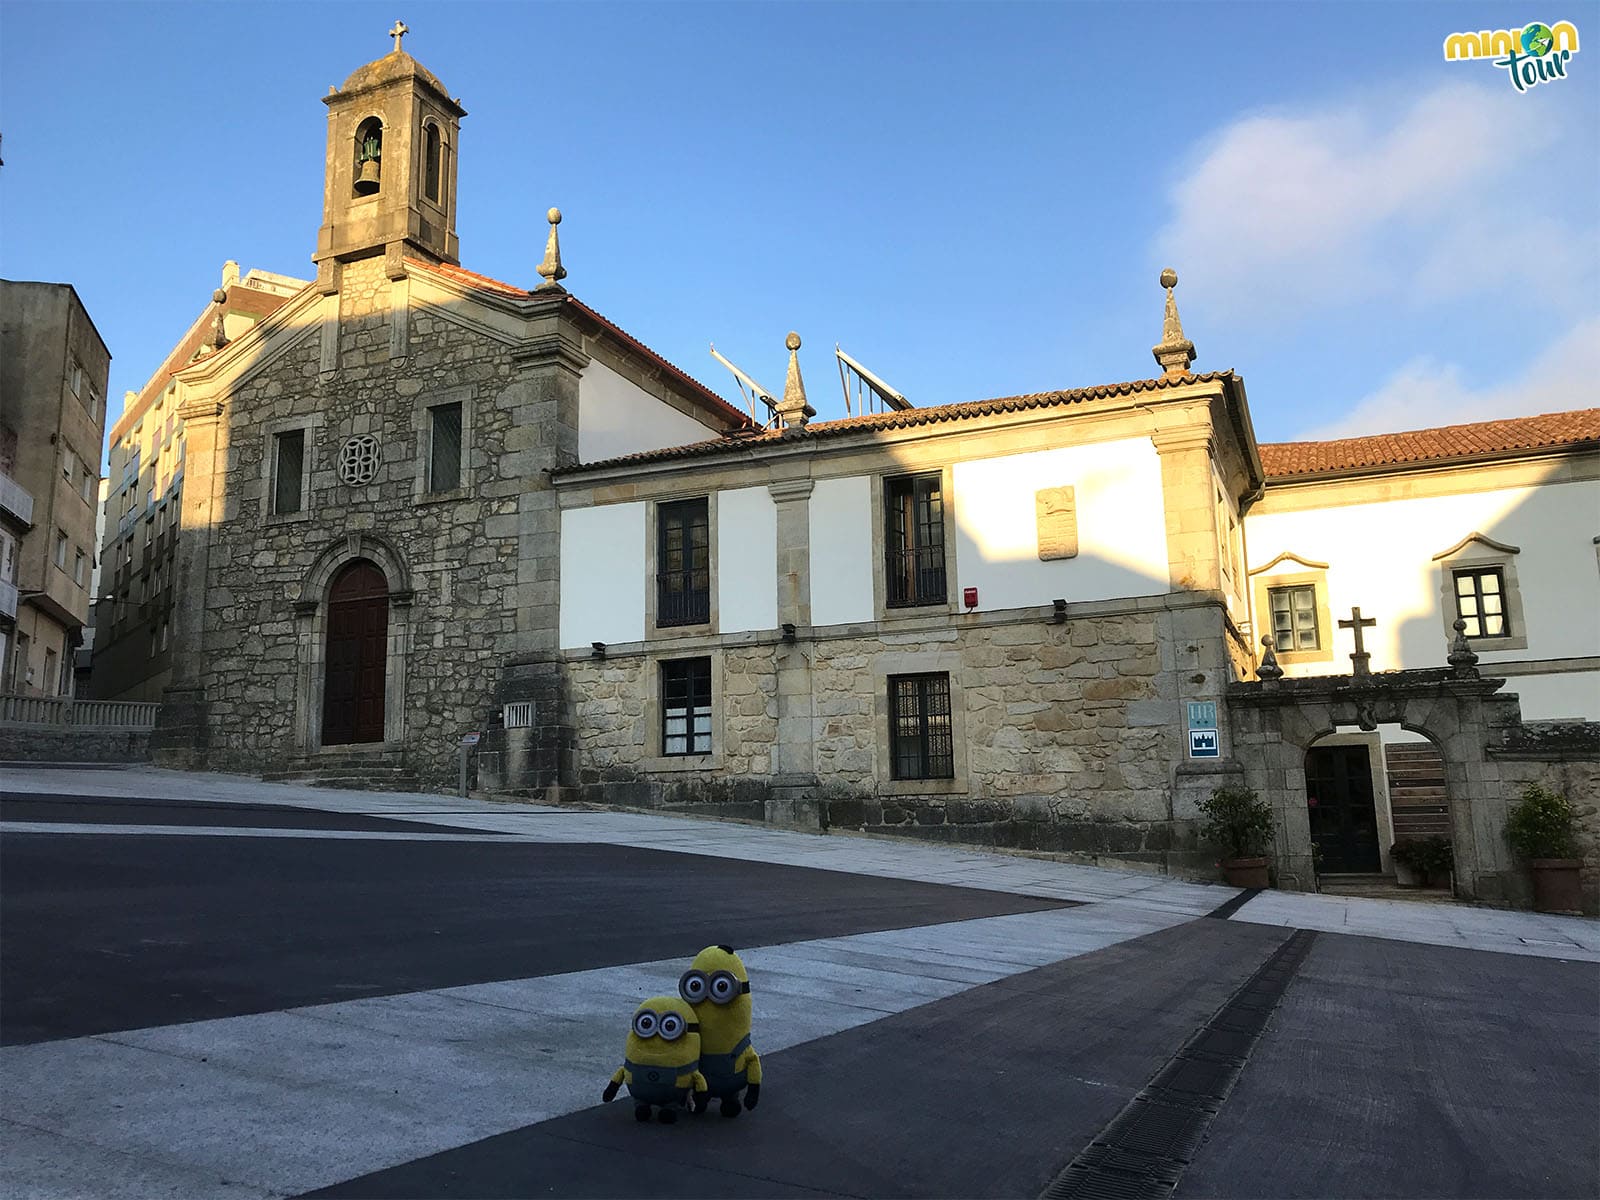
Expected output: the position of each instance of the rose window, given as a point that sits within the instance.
(358, 458)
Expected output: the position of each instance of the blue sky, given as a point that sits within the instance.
(973, 199)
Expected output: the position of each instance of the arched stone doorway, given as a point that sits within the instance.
(356, 655)
(322, 591)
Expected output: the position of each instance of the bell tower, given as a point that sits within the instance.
(391, 175)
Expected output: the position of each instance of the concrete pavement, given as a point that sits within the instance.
(934, 1008)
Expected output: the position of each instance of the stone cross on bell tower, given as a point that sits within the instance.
(390, 183)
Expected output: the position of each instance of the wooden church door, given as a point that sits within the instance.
(357, 654)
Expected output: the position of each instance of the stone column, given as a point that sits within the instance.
(793, 799)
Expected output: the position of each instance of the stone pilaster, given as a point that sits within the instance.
(794, 785)
(1189, 495)
(543, 402)
(182, 734)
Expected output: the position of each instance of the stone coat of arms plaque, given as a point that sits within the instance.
(1056, 510)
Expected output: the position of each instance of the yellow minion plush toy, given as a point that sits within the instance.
(661, 1064)
(719, 988)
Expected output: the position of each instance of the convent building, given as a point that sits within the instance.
(421, 503)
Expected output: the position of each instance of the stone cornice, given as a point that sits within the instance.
(549, 348)
(786, 490)
(1405, 684)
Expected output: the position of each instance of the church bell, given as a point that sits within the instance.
(367, 179)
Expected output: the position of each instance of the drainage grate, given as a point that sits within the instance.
(1142, 1153)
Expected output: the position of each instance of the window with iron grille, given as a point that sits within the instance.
(444, 459)
(1294, 617)
(686, 706)
(913, 541)
(289, 453)
(683, 563)
(921, 744)
(1481, 601)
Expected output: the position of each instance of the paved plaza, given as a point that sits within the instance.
(211, 986)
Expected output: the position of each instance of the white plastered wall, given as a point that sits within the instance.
(1380, 556)
(841, 551)
(616, 417)
(1122, 532)
(602, 574)
(747, 560)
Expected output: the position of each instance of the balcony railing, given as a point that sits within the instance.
(16, 499)
(8, 600)
(64, 711)
(915, 576)
(679, 602)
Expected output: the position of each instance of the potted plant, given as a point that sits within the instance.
(1423, 862)
(1239, 822)
(1404, 857)
(1539, 828)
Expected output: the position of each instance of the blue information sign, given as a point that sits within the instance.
(1203, 743)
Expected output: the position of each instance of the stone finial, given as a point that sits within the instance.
(230, 273)
(1175, 352)
(793, 409)
(551, 267)
(1462, 660)
(219, 332)
(399, 31)
(1269, 671)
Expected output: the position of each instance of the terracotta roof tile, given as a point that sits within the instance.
(905, 419)
(1290, 459)
(705, 395)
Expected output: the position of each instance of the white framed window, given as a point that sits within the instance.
(77, 378)
(78, 563)
(60, 556)
(1478, 586)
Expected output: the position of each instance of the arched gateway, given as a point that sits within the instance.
(1276, 722)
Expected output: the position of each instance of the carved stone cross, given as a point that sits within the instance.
(399, 31)
(1356, 624)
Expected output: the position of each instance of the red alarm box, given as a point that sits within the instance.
(969, 597)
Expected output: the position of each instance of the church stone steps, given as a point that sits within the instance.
(360, 772)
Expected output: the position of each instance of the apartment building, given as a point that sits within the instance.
(53, 370)
(132, 649)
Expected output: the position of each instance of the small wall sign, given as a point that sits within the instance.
(1202, 714)
(1204, 743)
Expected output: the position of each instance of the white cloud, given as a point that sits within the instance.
(1425, 392)
(1284, 215)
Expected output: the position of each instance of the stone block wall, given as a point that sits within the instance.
(23, 743)
(1566, 760)
(1067, 736)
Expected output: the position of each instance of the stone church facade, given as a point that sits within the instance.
(369, 557)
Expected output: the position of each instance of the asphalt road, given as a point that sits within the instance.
(105, 932)
(289, 1000)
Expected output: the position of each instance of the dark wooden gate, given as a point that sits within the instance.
(1344, 822)
(358, 651)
